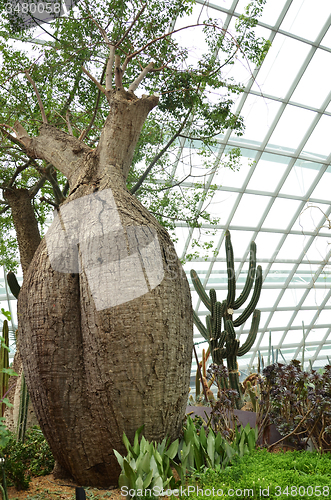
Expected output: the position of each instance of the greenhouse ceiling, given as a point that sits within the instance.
(280, 196)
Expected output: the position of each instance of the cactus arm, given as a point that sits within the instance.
(199, 289)
(249, 280)
(252, 334)
(13, 284)
(212, 295)
(254, 300)
(202, 329)
(230, 269)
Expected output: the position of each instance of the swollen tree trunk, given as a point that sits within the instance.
(105, 305)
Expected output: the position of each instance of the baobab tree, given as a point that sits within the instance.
(105, 316)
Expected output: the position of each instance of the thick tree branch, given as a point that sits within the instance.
(109, 70)
(140, 78)
(16, 140)
(41, 106)
(158, 156)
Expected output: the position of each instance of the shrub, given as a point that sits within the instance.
(23, 460)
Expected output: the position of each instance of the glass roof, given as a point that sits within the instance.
(280, 197)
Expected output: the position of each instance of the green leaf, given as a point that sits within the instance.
(119, 458)
(130, 473)
(171, 452)
(127, 443)
(148, 479)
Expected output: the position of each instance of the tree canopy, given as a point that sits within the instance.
(61, 69)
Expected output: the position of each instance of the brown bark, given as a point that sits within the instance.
(28, 237)
(94, 372)
(25, 223)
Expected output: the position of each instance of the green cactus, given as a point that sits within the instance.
(4, 364)
(222, 342)
(24, 397)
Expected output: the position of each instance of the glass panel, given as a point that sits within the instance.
(319, 65)
(291, 127)
(271, 11)
(315, 297)
(267, 244)
(299, 180)
(322, 189)
(303, 316)
(227, 177)
(249, 210)
(291, 297)
(319, 140)
(326, 42)
(280, 66)
(268, 173)
(323, 318)
(280, 318)
(320, 249)
(281, 213)
(316, 335)
(258, 114)
(292, 247)
(268, 298)
(305, 18)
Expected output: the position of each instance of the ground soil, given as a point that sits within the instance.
(49, 488)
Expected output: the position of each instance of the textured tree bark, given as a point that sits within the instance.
(28, 237)
(101, 361)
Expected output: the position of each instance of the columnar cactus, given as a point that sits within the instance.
(24, 395)
(4, 364)
(223, 343)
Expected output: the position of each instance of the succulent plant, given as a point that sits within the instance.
(222, 341)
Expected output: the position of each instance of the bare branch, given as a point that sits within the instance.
(102, 31)
(3, 210)
(34, 189)
(109, 70)
(50, 202)
(131, 26)
(68, 123)
(95, 107)
(41, 106)
(158, 156)
(140, 78)
(100, 87)
(82, 135)
(110, 62)
(18, 171)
